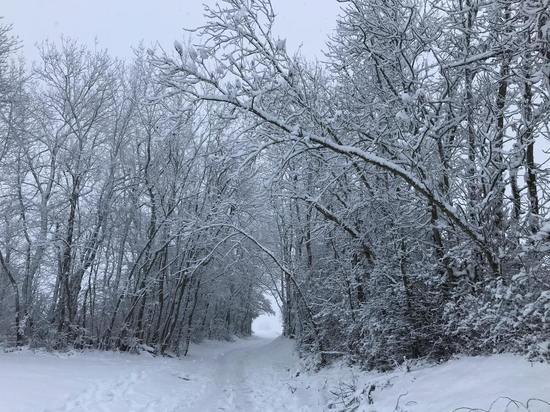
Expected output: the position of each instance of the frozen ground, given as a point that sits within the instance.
(256, 374)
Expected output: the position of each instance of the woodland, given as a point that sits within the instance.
(393, 195)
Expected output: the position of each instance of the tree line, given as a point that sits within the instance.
(115, 204)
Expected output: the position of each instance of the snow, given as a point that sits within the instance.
(246, 375)
(193, 53)
(402, 116)
(544, 232)
(178, 47)
(407, 98)
(488, 383)
(280, 45)
(258, 374)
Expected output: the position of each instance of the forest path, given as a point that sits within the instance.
(255, 375)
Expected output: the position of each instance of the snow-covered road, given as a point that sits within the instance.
(256, 375)
(259, 374)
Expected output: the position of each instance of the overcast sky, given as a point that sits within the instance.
(120, 24)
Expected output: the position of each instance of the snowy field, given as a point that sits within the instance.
(257, 374)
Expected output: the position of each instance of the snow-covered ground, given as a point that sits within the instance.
(257, 374)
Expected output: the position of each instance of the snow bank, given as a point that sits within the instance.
(478, 383)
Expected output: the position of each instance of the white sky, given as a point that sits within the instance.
(269, 326)
(120, 24)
